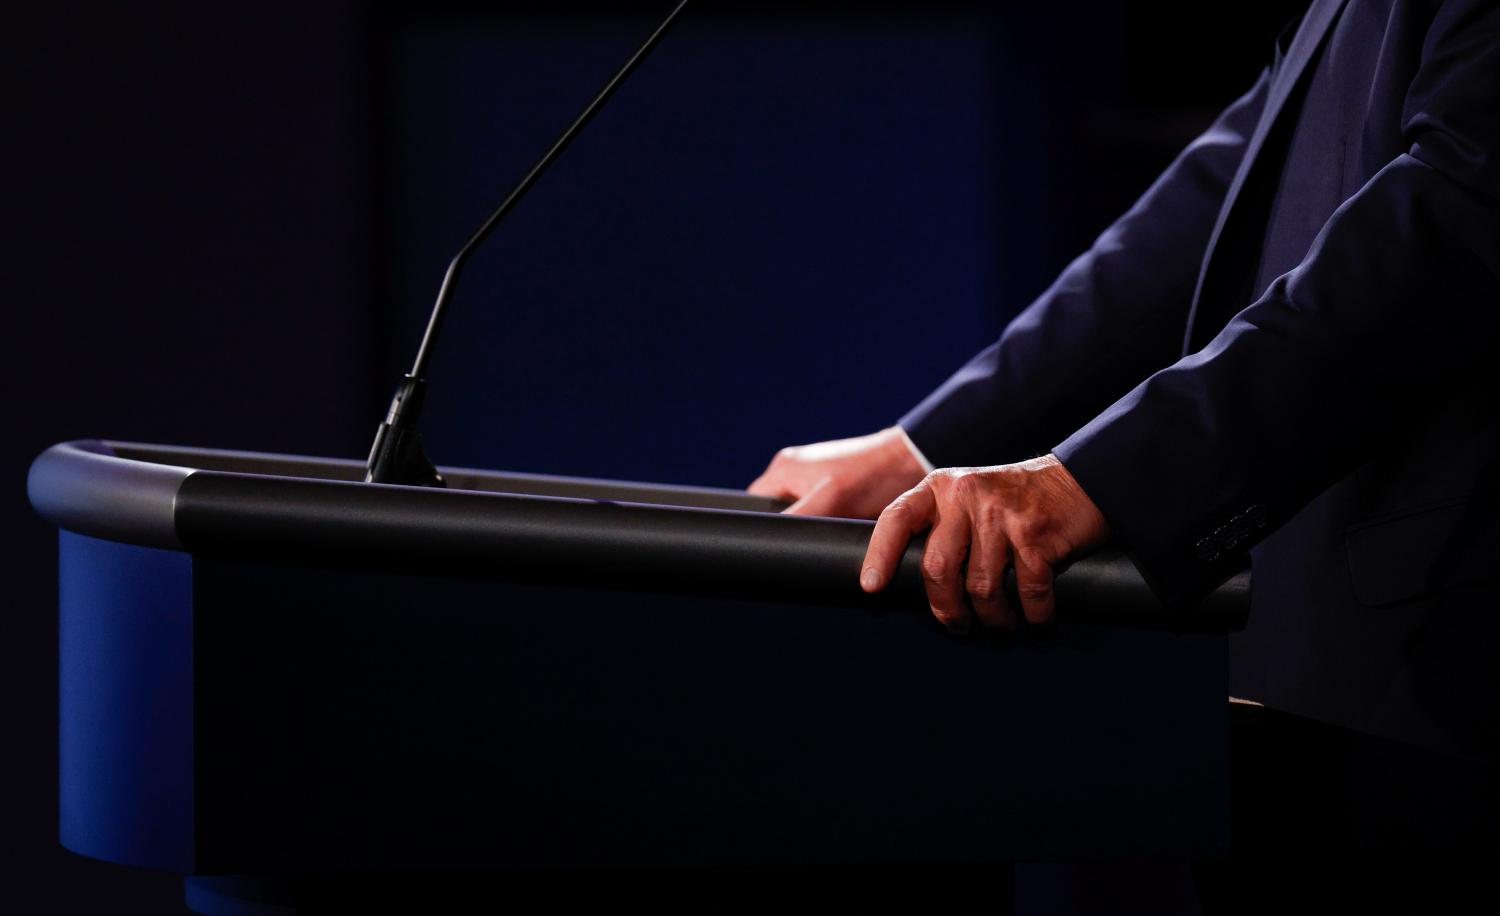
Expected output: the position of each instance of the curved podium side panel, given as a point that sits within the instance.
(125, 697)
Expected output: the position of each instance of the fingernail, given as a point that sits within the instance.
(870, 581)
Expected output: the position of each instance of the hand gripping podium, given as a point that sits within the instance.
(271, 668)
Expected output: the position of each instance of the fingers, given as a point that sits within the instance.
(778, 480)
(942, 572)
(989, 554)
(983, 521)
(1034, 586)
(911, 512)
(822, 499)
(770, 484)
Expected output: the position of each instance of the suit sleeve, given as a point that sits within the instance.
(1394, 308)
(1114, 315)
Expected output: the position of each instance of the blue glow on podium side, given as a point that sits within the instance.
(125, 673)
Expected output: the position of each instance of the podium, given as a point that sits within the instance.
(271, 668)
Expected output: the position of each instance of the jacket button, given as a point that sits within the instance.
(1209, 549)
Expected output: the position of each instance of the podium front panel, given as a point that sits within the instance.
(264, 702)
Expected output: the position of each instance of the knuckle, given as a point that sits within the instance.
(1030, 529)
(989, 515)
(786, 455)
(941, 478)
(935, 567)
(967, 486)
(984, 589)
(1034, 591)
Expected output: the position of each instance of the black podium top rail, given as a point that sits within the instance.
(641, 537)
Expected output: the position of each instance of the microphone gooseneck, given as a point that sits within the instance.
(397, 456)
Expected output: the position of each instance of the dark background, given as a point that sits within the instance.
(224, 226)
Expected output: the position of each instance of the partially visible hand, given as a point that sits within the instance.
(852, 478)
(1032, 515)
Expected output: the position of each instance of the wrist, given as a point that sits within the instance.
(919, 460)
(1092, 527)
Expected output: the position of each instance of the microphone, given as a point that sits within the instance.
(397, 455)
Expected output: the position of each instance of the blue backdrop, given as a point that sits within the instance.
(769, 236)
(227, 223)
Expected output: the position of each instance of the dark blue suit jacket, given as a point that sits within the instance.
(1281, 355)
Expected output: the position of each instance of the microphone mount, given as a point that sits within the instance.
(397, 456)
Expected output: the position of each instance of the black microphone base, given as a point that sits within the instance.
(397, 455)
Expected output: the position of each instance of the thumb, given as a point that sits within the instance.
(822, 499)
(772, 483)
(760, 486)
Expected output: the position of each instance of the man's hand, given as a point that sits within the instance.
(1033, 516)
(852, 478)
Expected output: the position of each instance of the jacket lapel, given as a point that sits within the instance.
(1305, 43)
